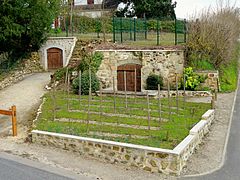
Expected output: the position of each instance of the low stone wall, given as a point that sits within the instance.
(163, 94)
(147, 158)
(27, 66)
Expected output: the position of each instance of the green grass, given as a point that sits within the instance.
(165, 38)
(229, 73)
(162, 134)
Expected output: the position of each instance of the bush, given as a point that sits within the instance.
(85, 83)
(60, 73)
(192, 79)
(94, 61)
(153, 80)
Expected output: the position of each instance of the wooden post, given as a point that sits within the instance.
(66, 79)
(68, 91)
(135, 83)
(148, 111)
(14, 120)
(114, 94)
(177, 93)
(125, 89)
(184, 88)
(89, 98)
(54, 100)
(159, 105)
(169, 106)
(80, 87)
(212, 102)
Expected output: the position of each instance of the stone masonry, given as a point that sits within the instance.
(166, 63)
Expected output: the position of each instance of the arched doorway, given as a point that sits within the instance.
(132, 81)
(54, 58)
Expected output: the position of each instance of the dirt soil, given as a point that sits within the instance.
(26, 95)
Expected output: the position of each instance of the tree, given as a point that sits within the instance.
(152, 8)
(24, 25)
(155, 8)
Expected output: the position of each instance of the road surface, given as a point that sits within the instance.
(16, 168)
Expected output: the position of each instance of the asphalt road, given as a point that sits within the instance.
(231, 168)
(16, 168)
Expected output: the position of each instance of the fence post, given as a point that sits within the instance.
(125, 89)
(121, 29)
(185, 30)
(130, 29)
(114, 34)
(134, 29)
(176, 32)
(79, 87)
(145, 23)
(158, 32)
(14, 120)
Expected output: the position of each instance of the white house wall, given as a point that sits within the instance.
(84, 2)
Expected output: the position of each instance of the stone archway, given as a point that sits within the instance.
(132, 82)
(54, 58)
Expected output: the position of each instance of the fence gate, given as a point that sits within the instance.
(133, 77)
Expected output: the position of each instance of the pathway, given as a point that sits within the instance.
(25, 95)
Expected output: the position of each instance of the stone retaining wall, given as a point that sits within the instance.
(147, 158)
(25, 67)
(166, 63)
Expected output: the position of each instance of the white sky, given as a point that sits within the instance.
(186, 8)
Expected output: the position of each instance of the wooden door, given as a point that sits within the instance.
(55, 58)
(129, 69)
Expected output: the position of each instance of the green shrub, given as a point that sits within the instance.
(60, 73)
(192, 79)
(94, 61)
(85, 83)
(152, 82)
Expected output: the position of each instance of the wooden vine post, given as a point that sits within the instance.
(11, 112)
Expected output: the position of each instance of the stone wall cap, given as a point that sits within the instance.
(207, 114)
(198, 127)
(183, 145)
(160, 150)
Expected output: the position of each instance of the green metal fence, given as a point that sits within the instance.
(153, 31)
(130, 31)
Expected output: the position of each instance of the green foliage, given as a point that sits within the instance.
(24, 25)
(83, 24)
(155, 8)
(200, 63)
(229, 73)
(152, 82)
(56, 31)
(92, 61)
(85, 83)
(192, 79)
(60, 73)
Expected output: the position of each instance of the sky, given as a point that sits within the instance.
(187, 8)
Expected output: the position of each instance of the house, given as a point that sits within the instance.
(94, 8)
